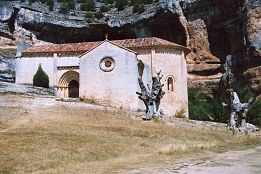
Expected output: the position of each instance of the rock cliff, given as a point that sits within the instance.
(212, 29)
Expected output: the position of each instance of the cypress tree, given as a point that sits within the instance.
(41, 79)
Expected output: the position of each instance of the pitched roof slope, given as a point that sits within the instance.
(56, 48)
(86, 46)
(146, 42)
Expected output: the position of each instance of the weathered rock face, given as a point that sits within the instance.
(6, 19)
(7, 69)
(212, 29)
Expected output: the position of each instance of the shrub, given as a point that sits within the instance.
(121, 4)
(67, 5)
(135, 8)
(141, 8)
(41, 79)
(104, 8)
(88, 15)
(254, 114)
(245, 93)
(50, 4)
(88, 5)
(218, 112)
(199, 109)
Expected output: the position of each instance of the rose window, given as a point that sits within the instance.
(107, 64)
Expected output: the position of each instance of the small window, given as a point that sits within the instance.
(170, 83)
(107, 64)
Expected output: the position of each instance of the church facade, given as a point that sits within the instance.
(107, 72)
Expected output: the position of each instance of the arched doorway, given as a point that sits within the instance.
(68, 85)
(73, 89)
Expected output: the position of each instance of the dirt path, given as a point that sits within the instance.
(246, 161)
(238, 162)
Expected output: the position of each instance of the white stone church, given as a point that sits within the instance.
(107, 71)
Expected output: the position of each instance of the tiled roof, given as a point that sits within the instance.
(55, 48)
(145, 42)
(86, 46)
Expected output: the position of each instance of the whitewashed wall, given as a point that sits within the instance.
(26, 67)
(67, 61)
(171, 62)
(116, 88)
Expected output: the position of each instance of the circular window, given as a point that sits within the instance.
(107, 64)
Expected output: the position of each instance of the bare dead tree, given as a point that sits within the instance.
(151, 96)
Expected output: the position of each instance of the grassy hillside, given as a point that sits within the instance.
(40, 135)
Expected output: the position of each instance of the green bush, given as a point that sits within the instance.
(218, 112)
(67, 5)
(141, 8)
(254, 115)
(41, 79)
(135, 8)
(88, 15)
(50, 3)
(88, 5)
(121, 4)
(104, 8)
(245, 93)
(199, 108)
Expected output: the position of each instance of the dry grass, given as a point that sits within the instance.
(61, 138)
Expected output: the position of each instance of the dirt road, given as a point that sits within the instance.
(246, 161)
(237, 162)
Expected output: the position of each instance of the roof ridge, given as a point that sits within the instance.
(145, 42)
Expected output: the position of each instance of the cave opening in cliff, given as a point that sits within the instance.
(167, 26)
(11, 22)
(219, 43)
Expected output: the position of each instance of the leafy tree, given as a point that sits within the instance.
(41, 79)
(254, 115)
(135, 8)
(88, 5)
(88, 15)
(218, 112)
(245, 93)
(199, 109)
(67, 5)
(104, 8)
(50, 3)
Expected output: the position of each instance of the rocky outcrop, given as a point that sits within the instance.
(254, 26)
(252, 76)
(211, 29)
(6, 14)
(7, 69)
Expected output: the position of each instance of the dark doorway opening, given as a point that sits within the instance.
(74, 89)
